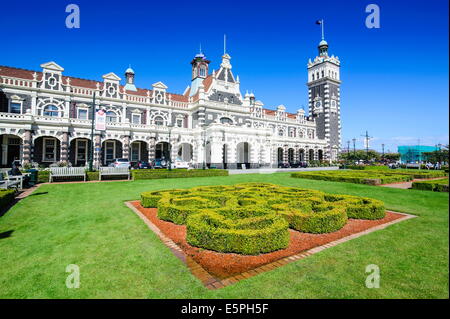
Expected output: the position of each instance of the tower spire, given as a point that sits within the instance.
(224, 44)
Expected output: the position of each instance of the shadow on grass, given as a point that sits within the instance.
(38, 193)
(6, 234)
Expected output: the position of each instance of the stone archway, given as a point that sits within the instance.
(311, 155)
(79, 149)
(280, 155)
(162, 150)
(10, 149)
(243, 154)
(291, 153)
(185, 152)
(111, 149)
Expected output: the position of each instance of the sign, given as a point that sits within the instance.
(100, 120)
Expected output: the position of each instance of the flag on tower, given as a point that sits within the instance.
(319, 22)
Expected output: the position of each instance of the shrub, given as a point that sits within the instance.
(6, 197)
(440, 185)
(176, 173)
(254, 218)
(43, 176)
(92, 176)
(355, 176)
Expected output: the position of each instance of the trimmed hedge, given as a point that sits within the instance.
(355, 176)
(440, 185)
(254, 218)
(175, 173)
(6, 197)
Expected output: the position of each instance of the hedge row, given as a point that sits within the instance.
(175, 173)
(355, 176)
(440, 185)
(6, 197)
(254, 218)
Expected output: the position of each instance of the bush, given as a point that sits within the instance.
(440, 185)
(6, 197)
(355, 176)
(175, 173)
(43, 176)
(92, 176)
(254, 218)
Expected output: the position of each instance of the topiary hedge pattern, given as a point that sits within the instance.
(254, 218)
(440, 185)
(355, 176)
(175, 173)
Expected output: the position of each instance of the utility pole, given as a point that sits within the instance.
(348, 147)
(382, 152)
(91, 149)
(354, 146)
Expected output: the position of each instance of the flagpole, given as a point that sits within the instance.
(323, 36)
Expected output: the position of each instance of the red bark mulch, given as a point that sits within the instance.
(224, 265)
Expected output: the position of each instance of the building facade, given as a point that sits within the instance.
(46, 117)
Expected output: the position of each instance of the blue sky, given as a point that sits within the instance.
(395, 78)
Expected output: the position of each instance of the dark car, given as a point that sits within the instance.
(283, 165)
(142, 165)
(160, 163)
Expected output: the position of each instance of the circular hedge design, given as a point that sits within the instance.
(254, 218)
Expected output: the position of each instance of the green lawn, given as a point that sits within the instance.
(119, 257)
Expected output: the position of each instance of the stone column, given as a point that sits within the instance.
(97, 151)
(151, 149)
(174, 151)
(26, 151)
(65, 147)
(126, 147)
(285, 154)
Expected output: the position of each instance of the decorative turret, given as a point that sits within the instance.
(200, 66)
(129, 76)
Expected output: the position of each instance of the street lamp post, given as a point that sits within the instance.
(354, 146)
(91, 149)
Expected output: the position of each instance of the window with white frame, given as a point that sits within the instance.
(49, 150)
(81, 151)
(179, 122)
(15, 107)
(82, 114)
(51, 110)
(111, 117)
(110, 151)
(202, 71)
(159, 121)
(136, 118)
(135, 151)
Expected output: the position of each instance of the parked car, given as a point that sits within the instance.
(142, 165)
(298, 164)
(181, 164)
(160, 163)
(283, 165)
(120, 162)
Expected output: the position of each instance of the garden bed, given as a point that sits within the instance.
(225, 265)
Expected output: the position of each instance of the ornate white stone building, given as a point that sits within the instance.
(45, 117)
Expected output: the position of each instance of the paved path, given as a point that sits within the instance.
(279, 170)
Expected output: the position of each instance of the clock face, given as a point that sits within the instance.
(318, 104)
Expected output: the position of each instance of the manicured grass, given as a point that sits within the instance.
(119, 257)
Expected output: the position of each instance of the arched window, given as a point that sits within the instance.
(280, 133)
(323, 74)
(292, 133)
(159, 121)
(301, 134)
(317, 75)
(51, 110)
(111, 117)
(202, 71)
(226, 120)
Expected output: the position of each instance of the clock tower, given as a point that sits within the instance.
(324, 98)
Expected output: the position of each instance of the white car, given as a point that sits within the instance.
(120, 162)
(181, 164)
